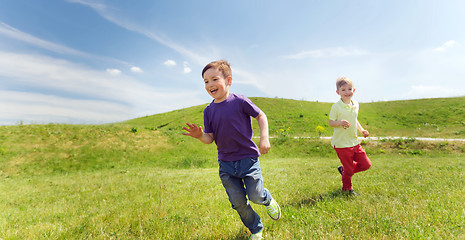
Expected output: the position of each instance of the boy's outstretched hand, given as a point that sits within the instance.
(197, 132)
(193, 130)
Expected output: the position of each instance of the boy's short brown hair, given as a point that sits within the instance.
(221, 65)
(343, 80)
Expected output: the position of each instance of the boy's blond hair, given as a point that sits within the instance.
(343, 80)
(221, 65)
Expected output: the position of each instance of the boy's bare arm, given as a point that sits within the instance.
(197, 132)
(343, 123)
(362, 130)
(264, 144)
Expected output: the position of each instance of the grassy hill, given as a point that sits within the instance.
(439, 117)
(142, 179)
(157, 140)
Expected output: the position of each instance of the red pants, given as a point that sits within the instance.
(354, 160)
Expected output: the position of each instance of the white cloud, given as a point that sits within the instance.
(170, 63)
(187, 69)
(30, 107)
(113, 71)
(86, 95)
(445, 46)
(78, 93)
(43, 72)
(327, 53)
(432, 91)
(136, 70)
(16, 34)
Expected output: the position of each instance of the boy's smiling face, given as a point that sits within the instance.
(346, 92)
(216, 84)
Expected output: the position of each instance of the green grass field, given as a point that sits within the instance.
(401, 198)
(142, 179)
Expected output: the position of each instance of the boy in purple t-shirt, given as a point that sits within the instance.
(228, 122)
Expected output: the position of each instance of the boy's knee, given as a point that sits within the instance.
(367, 166)
(257, 199)
(260, 197)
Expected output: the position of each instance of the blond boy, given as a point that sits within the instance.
(343, 117)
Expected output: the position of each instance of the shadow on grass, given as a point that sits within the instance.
(240, 235)
(312, 200)
(329, 196)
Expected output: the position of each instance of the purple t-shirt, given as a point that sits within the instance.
(230, 122)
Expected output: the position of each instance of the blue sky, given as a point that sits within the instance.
(101, 61)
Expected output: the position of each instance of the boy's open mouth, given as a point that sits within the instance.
(213, 91)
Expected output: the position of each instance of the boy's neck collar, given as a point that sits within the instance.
(350, 101)
(226, 98)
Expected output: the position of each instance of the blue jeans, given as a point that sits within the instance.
(241, 178)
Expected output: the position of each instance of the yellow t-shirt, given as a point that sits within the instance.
(343, 138)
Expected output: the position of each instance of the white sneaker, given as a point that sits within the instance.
(256, 236)
(273, 210)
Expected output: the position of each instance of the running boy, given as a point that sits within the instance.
(343, 117)
(228, 122)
